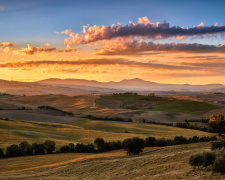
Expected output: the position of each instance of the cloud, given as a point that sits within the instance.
(144, 28)
(31, 50)
(3, 44)
(122, 46)
(47, 45)
(96, 62)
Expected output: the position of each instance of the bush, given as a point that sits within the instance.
(49, 146)
(208, 158)
(12, 151)
(219, 164)
(25, 148)
(196, 159)
(38, 148)
(216, 145)
(100, 143)
(151, 142)
(133, 145)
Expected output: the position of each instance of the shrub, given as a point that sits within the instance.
(196, 159)
(100, 143)
(151, 142)
(219, 164)
(38, 148)
(49, 146)
(12, 151)
(216, 145)
(133, 145)
(208, 158)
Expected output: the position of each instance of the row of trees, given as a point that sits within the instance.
(131, 145)
(24, 149)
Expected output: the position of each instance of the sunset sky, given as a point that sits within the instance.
(173, 41)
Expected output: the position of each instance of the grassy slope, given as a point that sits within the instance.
(14, 132)
(183, 106)
(50, 160)
(169, 163)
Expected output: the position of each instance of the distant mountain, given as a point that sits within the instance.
(133, 84)
(81, 86)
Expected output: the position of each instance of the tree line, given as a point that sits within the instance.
(131, 145)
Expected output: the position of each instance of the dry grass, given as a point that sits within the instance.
(15, 131)
(52, 160)
(168, 163)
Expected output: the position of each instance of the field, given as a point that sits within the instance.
(80, 105)
(183, 106)
(154, 163)
(14, 132)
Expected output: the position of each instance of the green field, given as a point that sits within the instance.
(182, 106)
(86, 131)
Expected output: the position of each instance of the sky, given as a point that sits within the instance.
(176, 42)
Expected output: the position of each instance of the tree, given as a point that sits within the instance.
(25, 148)
(208, 158)
(133, 145)
(71, 147)
(64, 149)
(100, 143)
(218, 165)
(12, 151)
(49, 146)
(150, 142)
(196, 160)
(1, 153)
(38, 148)
(216, 145)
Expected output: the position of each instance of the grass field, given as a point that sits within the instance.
(155, 163)
(182, 106)
(49, 160)
(14, 132)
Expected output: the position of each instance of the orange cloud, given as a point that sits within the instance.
(31, 50)
(47, 45)
(3, 44)
(124, 46)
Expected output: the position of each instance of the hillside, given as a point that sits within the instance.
(162, 163)
(15, 131)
